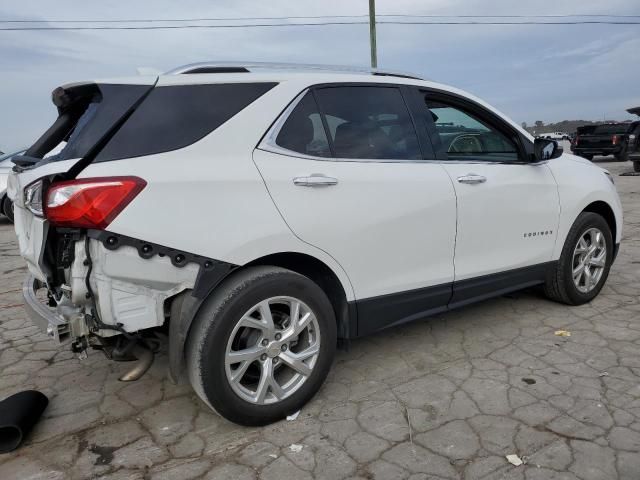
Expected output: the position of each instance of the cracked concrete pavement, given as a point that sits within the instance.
(445, 398)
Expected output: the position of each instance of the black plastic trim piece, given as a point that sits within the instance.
(480, 288)
(209, 276)
(385, 311)
(377, 313)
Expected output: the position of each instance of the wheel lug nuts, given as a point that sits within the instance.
(283, 348)
(265, 342)
(263, 356)
(278, 336)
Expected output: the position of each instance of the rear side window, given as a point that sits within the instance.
(368, 123)
(173, 117)
(303, 131)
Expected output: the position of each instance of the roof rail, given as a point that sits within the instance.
(240, 67)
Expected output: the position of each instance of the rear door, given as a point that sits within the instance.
(344, 167)
(508, 208)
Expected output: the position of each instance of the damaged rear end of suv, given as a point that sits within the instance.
(93, 287)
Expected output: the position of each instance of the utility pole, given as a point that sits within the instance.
(372, 33)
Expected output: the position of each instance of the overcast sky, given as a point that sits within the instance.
(547, 73)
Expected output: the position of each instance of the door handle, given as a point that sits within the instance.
(315, 180)
(472, 179)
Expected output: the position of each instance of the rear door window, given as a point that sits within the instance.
(303, 131)
(368, 122)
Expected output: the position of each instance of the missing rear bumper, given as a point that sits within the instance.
(40, 314)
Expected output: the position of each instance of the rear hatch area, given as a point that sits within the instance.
(89, 114)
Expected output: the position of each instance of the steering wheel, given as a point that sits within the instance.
(465, 143)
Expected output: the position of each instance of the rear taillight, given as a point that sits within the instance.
(90, 202)
(615, 139)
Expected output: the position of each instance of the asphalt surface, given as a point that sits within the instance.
(445, 398)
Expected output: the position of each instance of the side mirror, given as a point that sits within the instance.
(546, 149)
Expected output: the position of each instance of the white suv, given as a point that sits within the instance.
(261, 213)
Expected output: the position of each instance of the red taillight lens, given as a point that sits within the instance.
(90, 202)
(614, 139)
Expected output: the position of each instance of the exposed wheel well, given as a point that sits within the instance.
(321, 274)
(605, 211)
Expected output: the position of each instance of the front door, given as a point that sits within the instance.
(346, 172)
(508, 207)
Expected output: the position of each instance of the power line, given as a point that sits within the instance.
(319, 24)
(388, 15)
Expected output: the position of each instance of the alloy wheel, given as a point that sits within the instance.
(589, 260)
(272, 350)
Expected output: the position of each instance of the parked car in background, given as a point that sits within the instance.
(308, 207)
(555, 136)
(633, 148)
(603, 139)
(6, 205)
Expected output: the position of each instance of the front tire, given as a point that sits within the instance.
(585, 261)
(261, 345)
(7, 208)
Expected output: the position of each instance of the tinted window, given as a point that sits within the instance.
(368, 123)
(463, 136)
(303, 131)
(611, 129)
(176, 116)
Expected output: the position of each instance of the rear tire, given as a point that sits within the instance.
(234, 321)
(7, 208)
(561, 285)
(636, 166)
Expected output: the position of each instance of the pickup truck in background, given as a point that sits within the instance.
(605, 139)
(633, 149)
(555, 135)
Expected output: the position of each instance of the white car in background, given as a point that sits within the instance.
(264, 212)
(6, 205)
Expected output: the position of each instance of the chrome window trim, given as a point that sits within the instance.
(268, 144)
